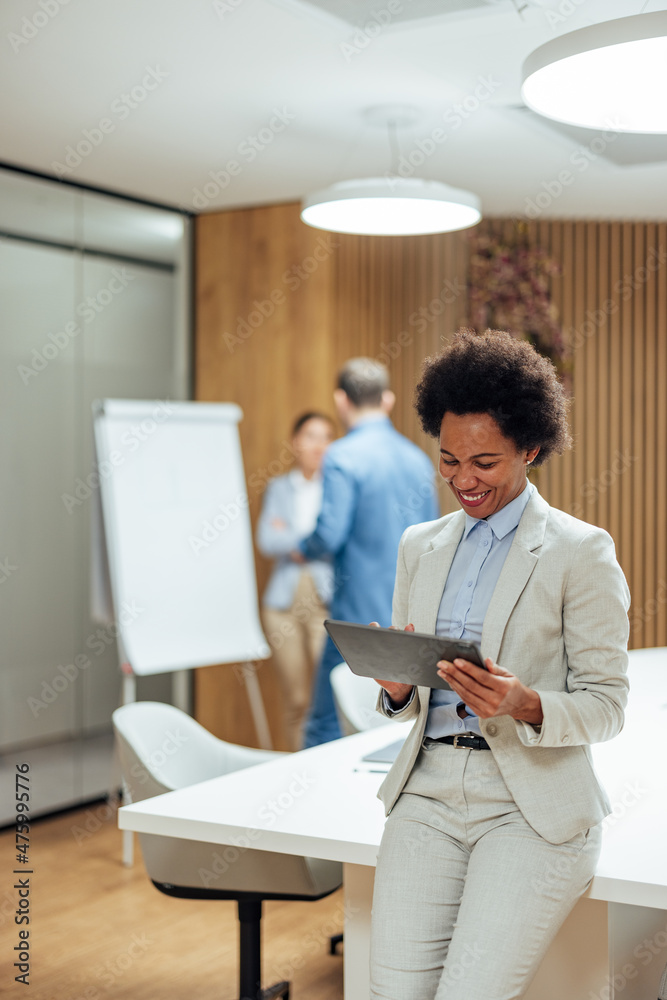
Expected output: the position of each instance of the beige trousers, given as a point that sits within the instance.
(296, 637)
(467, 896)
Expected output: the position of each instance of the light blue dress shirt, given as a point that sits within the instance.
(472, 578)
(281, 502)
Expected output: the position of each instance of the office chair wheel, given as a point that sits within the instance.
(334, 941)
(279, 990)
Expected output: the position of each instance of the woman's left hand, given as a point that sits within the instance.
(491, 692)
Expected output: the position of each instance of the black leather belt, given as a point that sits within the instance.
(471, 742)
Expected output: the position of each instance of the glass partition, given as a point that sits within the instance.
(94, 302)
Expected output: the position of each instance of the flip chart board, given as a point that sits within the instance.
(176, 543)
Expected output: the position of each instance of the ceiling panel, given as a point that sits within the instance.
(245, 102)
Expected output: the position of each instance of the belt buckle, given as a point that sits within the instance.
(461, 746)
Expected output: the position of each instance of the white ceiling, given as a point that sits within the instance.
(227, 70)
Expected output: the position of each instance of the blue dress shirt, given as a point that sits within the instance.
(376, 483)
(472, 578)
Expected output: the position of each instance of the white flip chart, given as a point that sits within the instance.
(176, 544)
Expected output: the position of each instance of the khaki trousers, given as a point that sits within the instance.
(296, 637)
(468, 897)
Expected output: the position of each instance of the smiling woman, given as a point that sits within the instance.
(501, 376)
(544, 595)
(491, 477)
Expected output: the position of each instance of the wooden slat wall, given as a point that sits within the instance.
(399, 299)
(612, 297)
(281, 369)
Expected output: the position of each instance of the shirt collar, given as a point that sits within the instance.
(300, 482)
(507, 518)
(370, 420)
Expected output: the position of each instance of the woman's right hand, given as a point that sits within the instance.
(398, 693)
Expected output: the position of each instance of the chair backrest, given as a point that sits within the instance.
(162, 748)
(654, 654)
(355, 698)
(643, 665)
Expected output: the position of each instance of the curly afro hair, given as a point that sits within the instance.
(507, 378)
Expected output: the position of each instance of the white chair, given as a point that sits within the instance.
(161, 749)
(355, 698)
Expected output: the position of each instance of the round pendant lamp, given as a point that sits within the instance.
(391, 206)
(610, 76)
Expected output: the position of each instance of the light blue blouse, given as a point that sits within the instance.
(472, 578)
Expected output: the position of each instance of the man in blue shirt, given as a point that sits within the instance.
(376, 483)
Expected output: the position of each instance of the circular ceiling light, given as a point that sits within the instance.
(391, 206)
(609, 76)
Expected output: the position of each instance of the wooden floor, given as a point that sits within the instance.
(100, 931)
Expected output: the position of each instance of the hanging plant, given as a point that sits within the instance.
(509, 283)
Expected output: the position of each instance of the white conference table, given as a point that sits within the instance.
(322, 803)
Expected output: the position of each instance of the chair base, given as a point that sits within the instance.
(189, 892)
(280, 991)
(250, 916)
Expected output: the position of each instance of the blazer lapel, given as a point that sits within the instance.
(429, 583)
(430, 578)
(519, 565)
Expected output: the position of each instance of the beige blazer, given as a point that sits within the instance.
(558, 620)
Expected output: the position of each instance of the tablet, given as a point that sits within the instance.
(391, 655)
(385, 755)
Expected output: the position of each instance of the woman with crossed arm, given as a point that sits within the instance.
(494, 809)
(294, 604)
